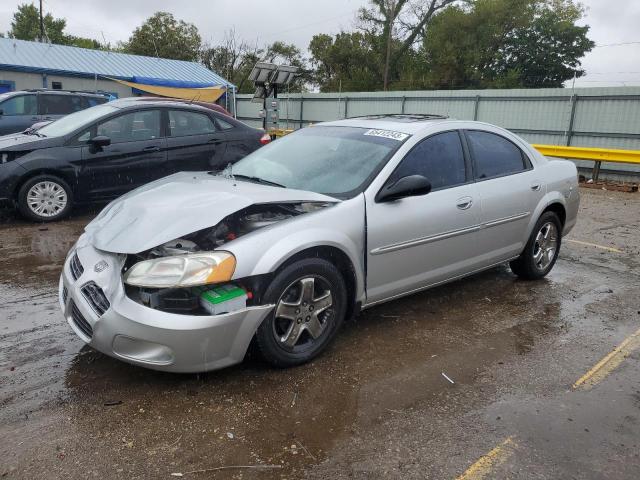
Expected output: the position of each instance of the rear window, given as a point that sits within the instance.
(59, 104)
(494, 155)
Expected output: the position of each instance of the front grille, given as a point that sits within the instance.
(96, 298)
(65, 294)
(80, 321)
(75, 267)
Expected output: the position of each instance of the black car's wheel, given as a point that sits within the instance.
(45, 198)
(310, 301)
(541, 252)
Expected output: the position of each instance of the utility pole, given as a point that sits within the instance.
(41, 24)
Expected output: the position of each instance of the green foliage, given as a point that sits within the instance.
(506, 44)
(26, 26)
(234, 59)
(163, 36)
(347, 61)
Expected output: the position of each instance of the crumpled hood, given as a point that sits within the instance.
(177, 205)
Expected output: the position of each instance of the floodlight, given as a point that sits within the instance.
(262, 71)
(284, 75)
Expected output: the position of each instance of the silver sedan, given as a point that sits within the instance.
(183, 273)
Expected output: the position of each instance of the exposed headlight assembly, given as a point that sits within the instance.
(190, 270)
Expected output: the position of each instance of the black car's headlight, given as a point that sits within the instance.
(6, 157)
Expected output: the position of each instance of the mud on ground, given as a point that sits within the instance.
(376, 405)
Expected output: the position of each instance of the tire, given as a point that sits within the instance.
(45, 198)
(297, 330)
(541, 252)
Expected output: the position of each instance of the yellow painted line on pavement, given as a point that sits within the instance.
(483, 467)
(609, 363)
(608, 249)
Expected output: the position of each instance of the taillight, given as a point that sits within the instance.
(264, 139)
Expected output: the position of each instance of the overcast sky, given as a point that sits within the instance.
(296, 21)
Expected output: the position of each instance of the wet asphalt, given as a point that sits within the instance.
(376, 405)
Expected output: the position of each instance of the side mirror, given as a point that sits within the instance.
(1, 112)
(100, 141)
(410, 186)
(97, 143)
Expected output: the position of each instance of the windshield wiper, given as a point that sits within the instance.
(258, 180)
(31, 131)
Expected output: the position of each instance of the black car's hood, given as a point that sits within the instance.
(17, 142)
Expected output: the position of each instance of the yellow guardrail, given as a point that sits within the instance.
(584, 153)
(279, 132)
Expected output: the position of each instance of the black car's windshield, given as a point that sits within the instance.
(337, 161)
(74, 121)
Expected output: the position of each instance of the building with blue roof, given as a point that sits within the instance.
(29, 65)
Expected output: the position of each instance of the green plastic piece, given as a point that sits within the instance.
(222, 294)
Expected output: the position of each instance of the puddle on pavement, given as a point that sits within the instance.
(390, 360)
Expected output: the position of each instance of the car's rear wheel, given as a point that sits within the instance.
(45, 198)
(310, 299)
(541, 252)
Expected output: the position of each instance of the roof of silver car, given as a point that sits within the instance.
(405, 123)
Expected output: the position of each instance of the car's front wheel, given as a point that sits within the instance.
(44, 198)
(310, 299)
(541, 252)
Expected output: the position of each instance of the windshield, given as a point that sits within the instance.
(74, 121)
(337, 161)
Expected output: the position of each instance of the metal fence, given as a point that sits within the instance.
(586, 117)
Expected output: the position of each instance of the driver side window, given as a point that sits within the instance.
(131, 127)
(439, 158)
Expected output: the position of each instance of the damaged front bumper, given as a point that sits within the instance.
(93, 301)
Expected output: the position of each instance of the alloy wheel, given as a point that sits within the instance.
(545, 246)
(303, 313)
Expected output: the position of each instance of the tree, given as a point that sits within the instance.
(161, 35)
(26, 26)
(233, 58)
(288, 54)
(506, 44)
(398, 23)
(345, 62)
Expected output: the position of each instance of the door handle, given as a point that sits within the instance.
(152, 148)
(535, 187)
(464, 203)
(214, 141)
(35, 118)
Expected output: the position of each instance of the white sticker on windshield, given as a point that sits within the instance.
(387, 134)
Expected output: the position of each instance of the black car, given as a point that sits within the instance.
(102, 152)
(20, 110)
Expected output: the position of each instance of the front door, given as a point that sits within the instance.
(136, 155)
(419, 241)
(194, 142)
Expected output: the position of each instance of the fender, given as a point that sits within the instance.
(344, 231)
(561, 180)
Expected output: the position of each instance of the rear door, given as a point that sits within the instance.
(241, 140)
(508, 187)
(53, 106)
(19, 112)
(136, 156)
(194, 142)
